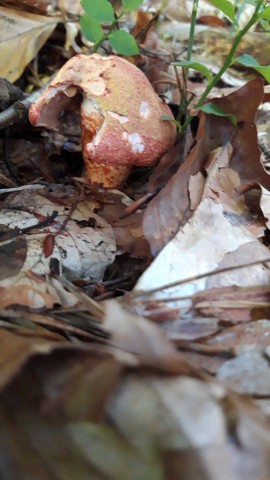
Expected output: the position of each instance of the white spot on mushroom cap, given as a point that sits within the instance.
(144, 109)
(120, 118)
(97, 87)
(90, 148)
(135, 140)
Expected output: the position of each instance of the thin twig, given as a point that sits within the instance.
(22, 187)
(177, 283)
(18, 110)
(92, 306)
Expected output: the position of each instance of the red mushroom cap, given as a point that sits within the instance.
(120, 115)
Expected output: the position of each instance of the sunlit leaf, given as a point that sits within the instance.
(199, 67)
(247, 61)
(265, 13)
(91, 29)
(129, 5)
(251, 62)
(226, 7)
(100, 10)
(124, 43)
(22, 36)
(214, 110)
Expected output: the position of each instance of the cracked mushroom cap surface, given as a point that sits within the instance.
(120, 115)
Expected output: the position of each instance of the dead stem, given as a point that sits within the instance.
(140, 293)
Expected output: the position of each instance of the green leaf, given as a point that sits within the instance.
(123, 43)
(265, 13)
(265, 25)
(129, 5)
(91, 29)
(100, 10)
(251, 62)
(214, 110)
(199, 67)
(247, 60)
(226, 7)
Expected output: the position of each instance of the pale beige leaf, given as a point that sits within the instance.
(22, 35)
(217, 235)
(82, 250)
(203, 431)
(265, 204)
(249, 373)
(35, 6)
(122, 460)
(168, 413)
(70, 6)
(140, 336)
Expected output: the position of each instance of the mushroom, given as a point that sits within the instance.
(120, 115)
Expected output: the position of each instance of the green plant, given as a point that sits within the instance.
(98, 12)
(261, 12)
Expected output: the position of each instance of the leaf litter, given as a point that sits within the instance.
(163, 383)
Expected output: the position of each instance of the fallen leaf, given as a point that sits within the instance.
(170, 209)
(18, 346)
(141, 337)
(200, 247)
(122, 459)
(248, 373)
(234, 304)
(22, 36)
(82, 249)
(245, 338)
(192, 329)
(143, 409)
(36, 6)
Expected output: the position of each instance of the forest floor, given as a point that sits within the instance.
(134, 329)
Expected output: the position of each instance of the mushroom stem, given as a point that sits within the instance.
(109, 176)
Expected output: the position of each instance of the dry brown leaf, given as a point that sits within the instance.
(128, 231)
(192, 329)
(18, 346)
(53, 389)
(22, 36)
(170, 209)
(216, 236)
(234, 304)
(81, 250)
(246, 155)
(213, 353)
(217, 462)
(251, 337)
(122, 459)
(169, 413)
(35, 6)
(169, 164)
(141, 337)
(61, 402)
